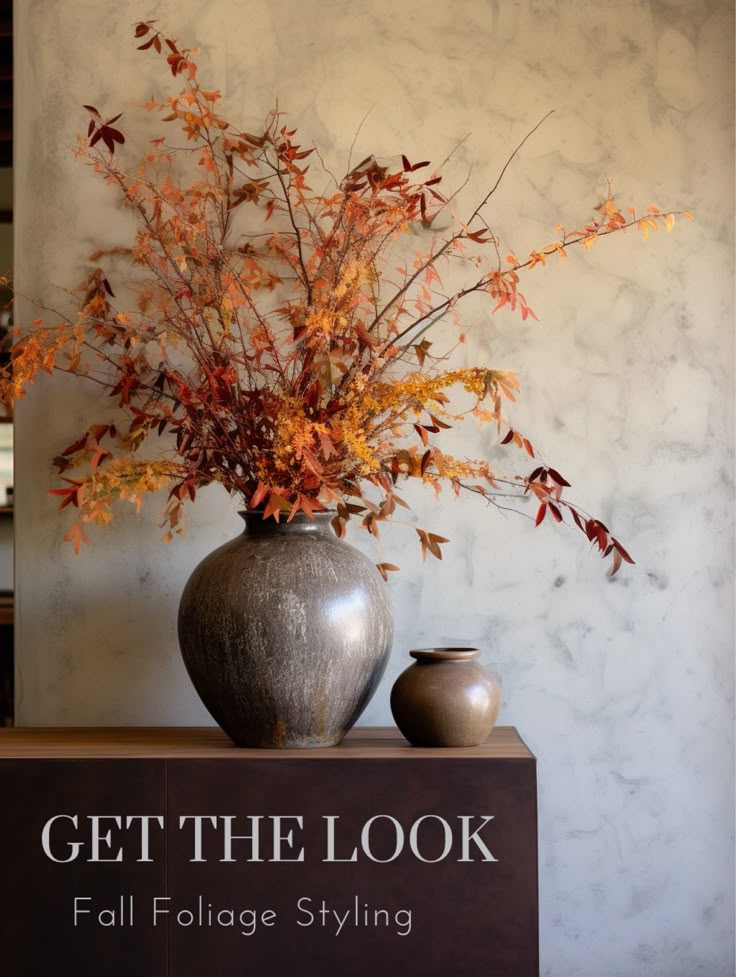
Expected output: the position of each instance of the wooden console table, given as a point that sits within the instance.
(170, 852)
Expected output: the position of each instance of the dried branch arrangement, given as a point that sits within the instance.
(278, 339)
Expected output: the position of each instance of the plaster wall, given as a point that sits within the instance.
(624, 687)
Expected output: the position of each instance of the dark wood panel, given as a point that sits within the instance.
(37, 932)
(415, 913)
(467, 918)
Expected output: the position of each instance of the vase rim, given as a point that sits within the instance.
(445, 654)
(254, 521)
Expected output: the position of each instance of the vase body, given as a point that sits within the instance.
(285, 632)
(446, 698)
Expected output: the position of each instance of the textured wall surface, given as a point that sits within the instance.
(623, 688)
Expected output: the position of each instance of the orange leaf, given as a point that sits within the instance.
(77, 536)
(383, 567)
(258, 496)
(276, 505)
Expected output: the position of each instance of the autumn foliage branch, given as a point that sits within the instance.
(274, 338)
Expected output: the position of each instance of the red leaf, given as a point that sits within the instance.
(616, 562)
(558, 478)
(440, 424)
(622, 551)
(509, 437)
(70, 495)
(98, 431)
(77, 446)
(141, 30)
(541, 512)
(555, 512)
(578, 521)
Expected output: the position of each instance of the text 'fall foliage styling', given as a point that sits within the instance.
(271, 334)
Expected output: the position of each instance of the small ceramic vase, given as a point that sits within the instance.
(446, 698)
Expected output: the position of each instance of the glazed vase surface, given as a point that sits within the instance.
(285, 632)
(446, 698)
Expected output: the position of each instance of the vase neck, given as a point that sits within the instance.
(256, 525)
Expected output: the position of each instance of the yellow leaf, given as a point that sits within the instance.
(669, 221)
(686, 213)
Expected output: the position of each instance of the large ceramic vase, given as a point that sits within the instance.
(285, 632)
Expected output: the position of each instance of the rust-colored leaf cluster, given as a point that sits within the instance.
(547, 485)
(279, 340)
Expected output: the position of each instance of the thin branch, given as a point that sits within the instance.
(506, 165)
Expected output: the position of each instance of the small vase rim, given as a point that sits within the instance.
(445, 654)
